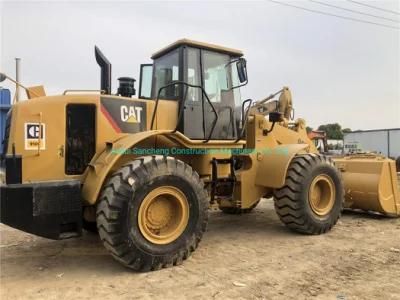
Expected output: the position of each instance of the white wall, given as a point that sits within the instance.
(376, 141)
(394, 136)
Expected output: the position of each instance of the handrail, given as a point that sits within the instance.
(102, 92)
(244, 121)
(40, 134)
(181, 108)
(183, 104)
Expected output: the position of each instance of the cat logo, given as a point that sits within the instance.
(131, 114)
(125, 116)
(35, 136)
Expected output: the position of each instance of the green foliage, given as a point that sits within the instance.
(346, 130)
(333, 131)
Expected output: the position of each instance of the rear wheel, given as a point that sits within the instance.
(152, 213)
(311, 200)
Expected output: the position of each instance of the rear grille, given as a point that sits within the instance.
(6, 132)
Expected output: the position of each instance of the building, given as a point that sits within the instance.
(384, 141)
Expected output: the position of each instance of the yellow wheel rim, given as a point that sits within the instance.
(163, 215)
(322, 194)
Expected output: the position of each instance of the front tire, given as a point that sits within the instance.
(152, 213)
(311, 201)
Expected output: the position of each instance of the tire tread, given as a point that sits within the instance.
(113, 198)
(287, 198)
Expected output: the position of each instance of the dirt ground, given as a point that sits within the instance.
(241, 257)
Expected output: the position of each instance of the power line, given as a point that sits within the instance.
(333, 15)
(375, 7)
(354, 11)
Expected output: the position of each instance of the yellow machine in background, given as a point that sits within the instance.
(142, 171)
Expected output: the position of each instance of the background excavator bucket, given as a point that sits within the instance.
(371, 183)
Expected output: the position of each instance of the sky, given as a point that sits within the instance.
(338, 70)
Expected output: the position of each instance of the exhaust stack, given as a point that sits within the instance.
(105, 66)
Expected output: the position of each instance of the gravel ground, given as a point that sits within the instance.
(243, 257)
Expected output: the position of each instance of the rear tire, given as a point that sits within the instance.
(311, 201)
(139, 244)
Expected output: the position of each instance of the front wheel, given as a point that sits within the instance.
(311, 201)
(152, 213)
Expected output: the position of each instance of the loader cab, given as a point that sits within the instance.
(215, 69)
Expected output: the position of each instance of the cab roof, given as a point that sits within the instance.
(196, 44)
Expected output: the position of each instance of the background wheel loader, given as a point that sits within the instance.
(143, 171)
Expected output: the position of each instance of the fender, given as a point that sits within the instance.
(102, 164)
(272, 169)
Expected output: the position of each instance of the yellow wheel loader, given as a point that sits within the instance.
(143, 171)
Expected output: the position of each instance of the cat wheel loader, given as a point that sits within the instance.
(143, 171)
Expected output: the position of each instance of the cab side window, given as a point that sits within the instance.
(146, 77)
(193, 74)
(215, 74)
(166, 70)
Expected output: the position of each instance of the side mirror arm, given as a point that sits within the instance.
(246, 81)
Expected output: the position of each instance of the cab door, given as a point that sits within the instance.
(193, 109)
(217, 85)
(207, 69)
(181, 65)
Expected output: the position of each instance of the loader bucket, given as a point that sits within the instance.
(370, 183)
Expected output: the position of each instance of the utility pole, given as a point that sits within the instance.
(17, 73)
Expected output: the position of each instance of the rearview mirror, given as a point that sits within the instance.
(241, 69)
(2, 77)
(241, 72)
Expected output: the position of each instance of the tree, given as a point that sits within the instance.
(346, 130)
(333, 131)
